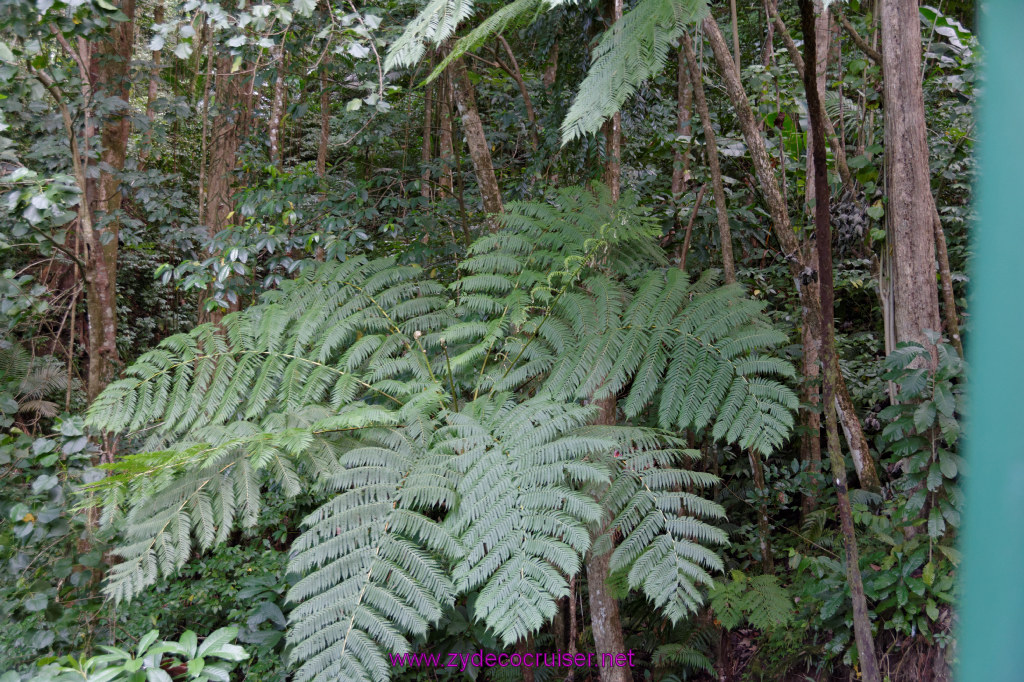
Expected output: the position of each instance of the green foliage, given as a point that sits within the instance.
(758, 600)
(45, 572)
(386, 393)
(921, 435)
(188, 658)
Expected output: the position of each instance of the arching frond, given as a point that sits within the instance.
(632, 50)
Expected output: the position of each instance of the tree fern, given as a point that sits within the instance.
(521, 514)
(443, 427)
(632, 50)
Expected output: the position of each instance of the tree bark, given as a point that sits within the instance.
(153, 91)
(684, 128)
(605, 620)
(445, 148)
(764, 528)
(835, 144)
(909, 210)
(823, 238)
(801, 268)
(952, 321)
(109, 74)
(551, 69)
(277, 108)
(229, 125)
(476, 140)
(428, 137)
(822, 33)
(325, 125)
(711, 146)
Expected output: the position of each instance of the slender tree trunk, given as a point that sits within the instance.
(835, 144)
(551, 70)
(325, 124)
(801, 268)
(513, 70)
(684, 128)
(277, 108)
(823, 237)
(428, 123)
(476, 140)
(152, 93)
(605, 621)
(735, 36)
(109, 67)
(952, 321)
(810, 443)
(909, 210)
(523, 647)
(445, 148)
(228, 127)
(204, 140)
(764, 528)
(711, 146)
(822, 22)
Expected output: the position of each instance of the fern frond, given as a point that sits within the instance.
(521, 515)
(631, 51)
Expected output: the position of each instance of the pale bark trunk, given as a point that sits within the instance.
(800, 266)
(151, 94)
(823, 238)
(277, 109)
(476, 140)
(711, 146)
(909, 210)
(735, 35)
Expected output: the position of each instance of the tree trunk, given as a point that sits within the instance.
(684, 113)
(445, 148)
(764, 527)
(277, 108)
(229, 125)
(551, 69)
(605, 620)
(835, 144)
(151, 95)
(476, 141)
(801, 268)
(810, 443)
(952, 321)
(711, 146)
(325, 125)
(823, 238)
(822, 22)
(909, 210)
(513, 70)
(428, 124)
(109, 74)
